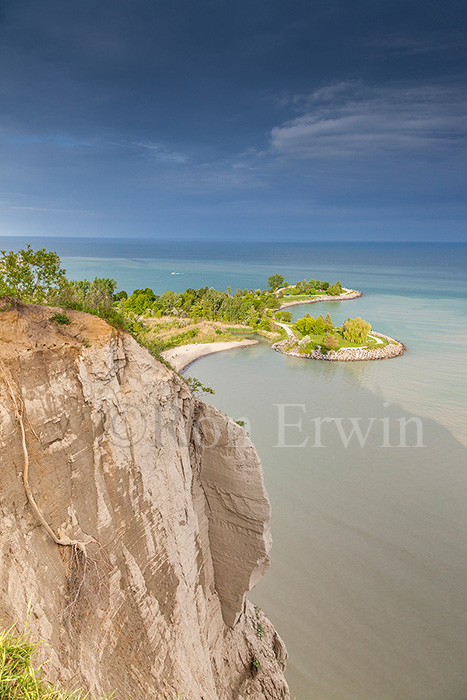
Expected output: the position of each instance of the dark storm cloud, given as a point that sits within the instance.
(216, 117)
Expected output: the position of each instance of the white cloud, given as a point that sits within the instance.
(406, 45)
(6, 205)
(160, 152)
(348, 120)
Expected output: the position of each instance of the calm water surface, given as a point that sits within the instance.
(369, 566)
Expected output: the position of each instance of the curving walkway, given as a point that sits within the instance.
(287, 328)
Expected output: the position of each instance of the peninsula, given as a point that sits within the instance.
(266, 315)
(180, 327)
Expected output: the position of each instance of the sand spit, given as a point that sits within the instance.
(185, 355)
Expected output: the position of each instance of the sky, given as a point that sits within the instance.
(248, 120)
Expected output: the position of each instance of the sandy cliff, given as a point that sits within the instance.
(165, 495)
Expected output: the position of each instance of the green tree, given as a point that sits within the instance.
(170, 302)
(31, 275)
(276, 281)
(305, 325)
(97, 296)
(356, 330)
(335, 289)
(319, 325)
(100, 296)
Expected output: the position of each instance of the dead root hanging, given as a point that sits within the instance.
(64, 541)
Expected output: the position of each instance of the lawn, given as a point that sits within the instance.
(318, 339)
(299, 297)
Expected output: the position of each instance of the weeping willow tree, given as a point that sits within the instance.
(356, 330)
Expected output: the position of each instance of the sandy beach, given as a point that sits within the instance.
(184, 355)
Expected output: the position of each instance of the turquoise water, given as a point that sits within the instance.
(367, 581)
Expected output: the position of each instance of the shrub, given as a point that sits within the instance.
(61, 318)
(255, 665)
(306, 345)
(198, 387)
(330, 341)
(265, 325)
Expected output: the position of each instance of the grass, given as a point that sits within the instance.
(297, 297)
(20, 679)
(171, 332)
(373, 344)
(271, 336)
(318, 339)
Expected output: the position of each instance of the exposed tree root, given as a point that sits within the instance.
(63, 540)
(76, 580)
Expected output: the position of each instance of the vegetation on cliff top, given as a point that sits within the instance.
(31, 275)
(158, 322)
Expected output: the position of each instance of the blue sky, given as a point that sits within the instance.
(278, 120)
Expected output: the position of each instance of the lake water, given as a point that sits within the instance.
(368, 581)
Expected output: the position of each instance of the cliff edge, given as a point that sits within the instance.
(164, 499)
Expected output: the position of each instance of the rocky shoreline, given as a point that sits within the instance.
(393, 349)
(348, 294)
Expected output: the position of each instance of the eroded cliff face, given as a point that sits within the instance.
(166, 495)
